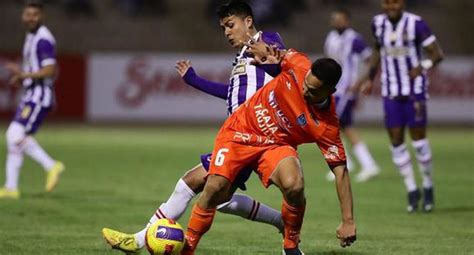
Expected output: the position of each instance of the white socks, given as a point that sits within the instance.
(34, 150)
(248, 208)
(13, 166)
(364, 157)
(172, 209)
(401, 158)
(423, 155)
(240, 205)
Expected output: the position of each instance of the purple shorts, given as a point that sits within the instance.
(408, 111)
(30, 115)
(344, 109)
(241, 178)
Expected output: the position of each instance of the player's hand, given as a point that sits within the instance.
(15, 71)
(13, 68)
(415, 72)
(346, 233)
(366, 88)
(182, 66)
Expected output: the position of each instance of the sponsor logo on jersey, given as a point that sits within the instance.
(333, 153)
(282, 120)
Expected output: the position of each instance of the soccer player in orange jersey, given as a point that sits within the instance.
(294, 108)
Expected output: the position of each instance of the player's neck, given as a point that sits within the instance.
(395, 20)
(34, 30)
(253, 32)
(341, 31)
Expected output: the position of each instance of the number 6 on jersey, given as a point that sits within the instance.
(220, 157)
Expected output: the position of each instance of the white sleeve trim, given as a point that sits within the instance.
(428, 41)
(48, 61)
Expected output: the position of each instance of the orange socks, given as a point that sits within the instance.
(199, 223)
(293, 220)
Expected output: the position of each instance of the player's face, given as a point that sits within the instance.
(32, 17)
(339, 21)
(393, 8)
(236, 29)
(313, 89)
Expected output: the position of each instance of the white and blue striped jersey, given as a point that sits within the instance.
(401, 50)
(349, 49)
(247, 78)
(39, 50)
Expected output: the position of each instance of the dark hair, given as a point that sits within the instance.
(235, 7)
(327, 70)
(343, 11)
(35, 4)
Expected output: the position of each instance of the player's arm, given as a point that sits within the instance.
(186, 71)
(331, 147)
(346, 232)
(432, 50)
(365, 83)
(47, 59)
(45, 72)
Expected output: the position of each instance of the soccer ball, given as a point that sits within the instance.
(164, 237)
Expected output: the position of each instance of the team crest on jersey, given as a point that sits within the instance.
(301, 120)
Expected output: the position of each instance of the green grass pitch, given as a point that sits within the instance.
(116, 177)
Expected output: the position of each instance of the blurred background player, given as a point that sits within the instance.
(236, 20)
(294, 108)
(400, 37)
(350, 50)
(37, 76)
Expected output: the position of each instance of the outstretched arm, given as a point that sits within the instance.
(346, 232)
(186, 71)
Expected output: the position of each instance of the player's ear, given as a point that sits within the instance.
(249, 22)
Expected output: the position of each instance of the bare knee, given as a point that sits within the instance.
(396, 136)
(215, 191)
(195, 178)
(289, 178)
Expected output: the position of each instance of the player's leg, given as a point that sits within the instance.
(15, 135)
(216, 191)
(422, 148)
(369, 168)
(288, 176)
(282, 167)
(32, 117)
(395, 121)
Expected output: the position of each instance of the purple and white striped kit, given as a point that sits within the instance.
(400, 48)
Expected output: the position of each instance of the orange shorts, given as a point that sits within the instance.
(229, 158)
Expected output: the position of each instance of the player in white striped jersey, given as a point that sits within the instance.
(349, 49)
(236, 20)
(37, 77)
(406, 49)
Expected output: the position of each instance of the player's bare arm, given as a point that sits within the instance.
(45, 72)
(366, 81)
(346, 232)
(434, 55)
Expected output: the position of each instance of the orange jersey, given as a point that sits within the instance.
(278, 115)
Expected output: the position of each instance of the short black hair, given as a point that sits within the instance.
(235, 7)
(35, 4)
(327, 70)
(343, 11)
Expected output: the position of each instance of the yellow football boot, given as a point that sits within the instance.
(121, 241)
(9, 194)
(53, 176)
